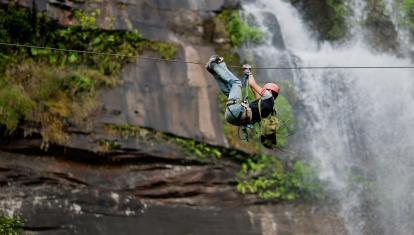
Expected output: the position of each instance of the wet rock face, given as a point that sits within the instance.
(324, 18)
(381, 32)
(59, 195)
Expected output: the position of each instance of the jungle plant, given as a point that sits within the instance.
(10, 225)
(407, 7)
(14, 105)
(267, 177)
(240, 32)
(200, 150)
(236, 30)
(286, 120)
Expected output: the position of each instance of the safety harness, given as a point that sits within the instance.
(246, 116)
(267, 129)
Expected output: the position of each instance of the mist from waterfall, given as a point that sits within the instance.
(355, 125)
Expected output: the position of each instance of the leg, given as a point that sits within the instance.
(224, 87)
(229, 84)
(234, 92)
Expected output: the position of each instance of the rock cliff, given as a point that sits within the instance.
(146, 187)
(74, 192)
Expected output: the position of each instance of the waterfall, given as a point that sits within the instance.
(355, 125)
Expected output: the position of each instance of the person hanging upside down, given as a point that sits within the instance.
(237, 112)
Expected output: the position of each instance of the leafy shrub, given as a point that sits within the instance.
(267, 177)
(198, 149)
(48, 98)
(286, 119)
(407, 7)
(165, 50)
(14, 106)
(240, 32)
(10, 225)
(237, 31)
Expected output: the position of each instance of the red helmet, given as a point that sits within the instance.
(271, 86)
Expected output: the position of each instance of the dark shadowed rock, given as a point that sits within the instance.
(56, 195)
(274, 27)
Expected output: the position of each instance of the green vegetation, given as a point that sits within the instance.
(165, 50)
(240, 32)
(407, 7)
(199, 149)
(286, 120)
(10, 225)
(46, 91)
(326, 17)
(228, 24)
(338, 28)
(13, 106)
(267, 177)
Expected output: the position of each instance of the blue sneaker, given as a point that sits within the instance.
(214, 59)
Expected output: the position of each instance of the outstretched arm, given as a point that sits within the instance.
(254, 86)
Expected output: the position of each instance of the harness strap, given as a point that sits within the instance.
(246, 116)
(246, 87)
(231, 102)
(259, 102)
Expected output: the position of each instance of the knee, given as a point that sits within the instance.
(235, 82)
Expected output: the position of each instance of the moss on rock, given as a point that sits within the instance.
(229, 28)
(381, 32)
(325, 17)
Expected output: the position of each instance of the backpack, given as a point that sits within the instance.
(268, 129)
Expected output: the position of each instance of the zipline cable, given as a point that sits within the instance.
(201, 63)
(97, 53)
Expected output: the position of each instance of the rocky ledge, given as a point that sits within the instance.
(159, 191)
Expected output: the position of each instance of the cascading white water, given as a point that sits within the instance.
(356, 124)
